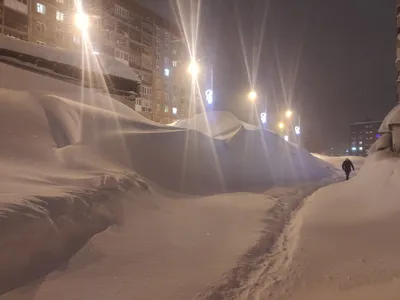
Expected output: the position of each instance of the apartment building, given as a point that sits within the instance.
(363, 135)
(398, 50)
(123, 29)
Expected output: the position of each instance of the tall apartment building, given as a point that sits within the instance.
(398, 50)
(123, 29)
(363, 135)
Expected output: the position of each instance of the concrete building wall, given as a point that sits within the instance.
(363, 135)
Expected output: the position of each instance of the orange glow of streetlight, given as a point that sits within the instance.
(252, 95)
(193, 68)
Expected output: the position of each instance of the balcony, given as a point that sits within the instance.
(17, 6)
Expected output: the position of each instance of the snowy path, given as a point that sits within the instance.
(174, 248)
(340, 245)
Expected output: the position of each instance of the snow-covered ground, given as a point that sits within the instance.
(186, 204)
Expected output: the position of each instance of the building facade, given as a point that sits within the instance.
(398, 50)
(123, 29)
(363, 135)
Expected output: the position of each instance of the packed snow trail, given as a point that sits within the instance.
(173, 249)
(259, 263)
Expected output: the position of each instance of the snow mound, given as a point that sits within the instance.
(67, 150)
(393, 118)
(216, 124)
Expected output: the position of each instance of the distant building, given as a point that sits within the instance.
(363, 135)
(123, 29)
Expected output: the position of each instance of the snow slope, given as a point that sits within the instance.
(342, 244)
(70, 155)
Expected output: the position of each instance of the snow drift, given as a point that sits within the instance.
(67, 151)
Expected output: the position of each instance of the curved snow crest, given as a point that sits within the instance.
(221, 125)
(41, 232)
(393, 118)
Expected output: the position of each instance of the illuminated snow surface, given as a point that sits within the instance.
(194, 213)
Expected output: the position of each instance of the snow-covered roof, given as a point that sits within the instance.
(393, 118)
(109, 65)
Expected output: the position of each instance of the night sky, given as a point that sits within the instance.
(331, 61)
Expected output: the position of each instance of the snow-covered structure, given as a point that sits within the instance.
(390, 130)
(99, 71)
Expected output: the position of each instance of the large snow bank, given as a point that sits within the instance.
(66, 150)
(109, 65)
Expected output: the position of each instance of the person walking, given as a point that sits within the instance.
(347, 166)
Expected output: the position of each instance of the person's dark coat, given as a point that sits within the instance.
(347, 166)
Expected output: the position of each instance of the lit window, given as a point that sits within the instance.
(360, 142)
(166, 109)
(166, 72)
(59, 16)
(41, 8)
(361, 148)
(174, 63)
(174, 110)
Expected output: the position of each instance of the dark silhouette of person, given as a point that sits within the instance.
(347, 167)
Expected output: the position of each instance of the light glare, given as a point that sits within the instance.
(252, 95)
(193, 68)
(289, 113)
(82, 21)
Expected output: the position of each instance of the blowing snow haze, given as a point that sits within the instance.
(113, 186)
(332, 63)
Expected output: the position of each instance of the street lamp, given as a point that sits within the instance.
(193, 68)
(281, 125)
(252, 95)
(81, 21)
(288, 113)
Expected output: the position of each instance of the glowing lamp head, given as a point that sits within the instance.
(281, 125)
(288, 114)
(81, 21)
(193, 68)
(252, 95)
